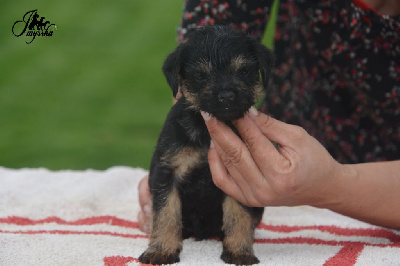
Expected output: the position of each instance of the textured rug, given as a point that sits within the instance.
(89, 218)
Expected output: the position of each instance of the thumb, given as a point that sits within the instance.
(284, 134)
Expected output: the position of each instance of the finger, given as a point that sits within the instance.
(231, 149)
(284, 134)
(144, 215)
(143, 222)
(235, 156)
(144, 192)
(220, 133)
(244, 178)
(221, 177)
(264, 153)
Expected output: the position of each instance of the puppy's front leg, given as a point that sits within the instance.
(166, 234)
(238, 227)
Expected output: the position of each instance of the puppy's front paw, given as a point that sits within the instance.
(159, 257)
(239, 259)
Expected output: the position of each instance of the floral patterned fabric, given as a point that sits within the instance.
(337, 69)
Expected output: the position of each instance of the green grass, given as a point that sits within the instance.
(91, 96)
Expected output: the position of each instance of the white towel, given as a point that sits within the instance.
(90, 218)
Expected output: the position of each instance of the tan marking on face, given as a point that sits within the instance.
(238, 62)
(238, 226)
(166, 232)
(190, 97)
(205, 66)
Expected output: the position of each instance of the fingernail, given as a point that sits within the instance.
(144, 228)
(211, 144)
(206, 116)
(146, 210)
(253, 111)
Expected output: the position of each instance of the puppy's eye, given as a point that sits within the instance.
(200, 77)
(244, 72)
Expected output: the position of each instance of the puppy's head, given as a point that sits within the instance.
(218, 71)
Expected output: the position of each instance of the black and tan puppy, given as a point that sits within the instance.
(218, 71)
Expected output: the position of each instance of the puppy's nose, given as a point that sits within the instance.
(226, 96)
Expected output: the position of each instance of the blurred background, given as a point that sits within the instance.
(92, 95)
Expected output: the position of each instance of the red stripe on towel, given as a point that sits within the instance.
(286, 240)
(372, 232)
(121, 261)
(70, 232)
(118, 261)
(347, 256)
(111, 220)
(316, 241)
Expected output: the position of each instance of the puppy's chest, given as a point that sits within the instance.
(184, 162)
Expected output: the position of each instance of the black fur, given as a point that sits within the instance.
(202, 68)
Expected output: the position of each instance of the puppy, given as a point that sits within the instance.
(218, 71)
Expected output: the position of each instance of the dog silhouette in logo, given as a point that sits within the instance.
(40, 25)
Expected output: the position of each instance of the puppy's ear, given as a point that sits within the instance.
(172, 67)
(265, 60)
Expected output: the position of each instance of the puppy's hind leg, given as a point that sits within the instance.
(238, 227)
(165, 241)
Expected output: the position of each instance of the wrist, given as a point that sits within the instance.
(337, 189)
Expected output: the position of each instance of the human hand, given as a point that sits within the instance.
(144, 215)
(299, 172)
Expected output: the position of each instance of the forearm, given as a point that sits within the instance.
(369, 192)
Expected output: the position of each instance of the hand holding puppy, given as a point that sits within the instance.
(254, 172)
(299, 172)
